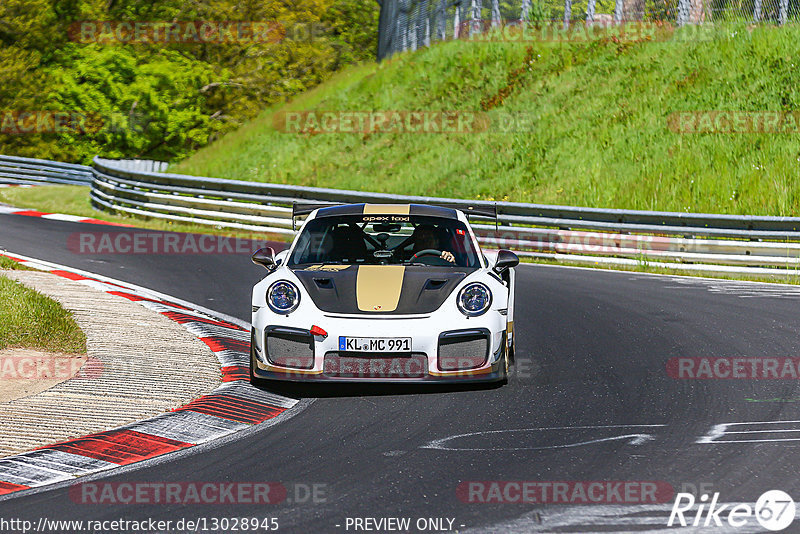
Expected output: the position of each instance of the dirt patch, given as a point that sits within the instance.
(25, 372)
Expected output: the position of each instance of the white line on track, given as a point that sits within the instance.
(607, 519)
(632, 438)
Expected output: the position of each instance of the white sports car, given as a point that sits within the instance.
(383, 292)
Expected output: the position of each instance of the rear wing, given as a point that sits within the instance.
(304, 208)
(489, 212)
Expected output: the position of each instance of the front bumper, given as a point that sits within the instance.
(428, 361)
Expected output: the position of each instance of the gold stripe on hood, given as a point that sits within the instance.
(378, 287)
(386, 209)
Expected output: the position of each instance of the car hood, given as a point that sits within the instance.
(384, 289)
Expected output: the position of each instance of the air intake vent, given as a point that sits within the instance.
(290, 348)
(435, 284)
(461, 350)
(324, 283)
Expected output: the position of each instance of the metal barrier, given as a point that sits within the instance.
(720, 243)
(28, 171)
(147, 165)
(16, 170)
(584, 234)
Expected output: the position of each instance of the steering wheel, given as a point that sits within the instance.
(426, 252)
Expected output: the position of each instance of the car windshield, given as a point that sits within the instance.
(385, 239)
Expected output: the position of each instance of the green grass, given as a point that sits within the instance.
(30, 320)
(600, 135)
(74, 200)
(9, 264)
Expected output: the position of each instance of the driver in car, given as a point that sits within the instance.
(426, 236)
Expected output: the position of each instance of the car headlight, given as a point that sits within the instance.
(283, 297)
(474, 299)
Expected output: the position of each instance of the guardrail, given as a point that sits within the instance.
(28, 171)
(722, 243)
(16, 170)
(145, 165)
(708, 242)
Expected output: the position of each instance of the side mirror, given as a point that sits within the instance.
(265, 257)
(505, 260)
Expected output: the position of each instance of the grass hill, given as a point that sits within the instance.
(600, 133)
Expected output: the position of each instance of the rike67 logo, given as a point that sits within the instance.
(774, 510)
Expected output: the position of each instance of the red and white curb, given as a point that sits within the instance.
(233, 407)
(56, 216)
(15, 185)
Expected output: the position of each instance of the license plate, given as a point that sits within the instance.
(375, 344)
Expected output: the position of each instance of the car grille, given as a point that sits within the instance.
(460, 350)
(375, 365)
(290, 348)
